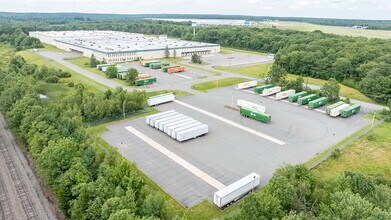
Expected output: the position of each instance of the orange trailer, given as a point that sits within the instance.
(142, 76)
(176, 69)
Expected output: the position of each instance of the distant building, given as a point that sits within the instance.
(114, 47)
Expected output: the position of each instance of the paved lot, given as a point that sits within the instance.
(228, 153)
(234, 59)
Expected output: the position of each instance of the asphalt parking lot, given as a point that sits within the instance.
(235, 59)
(227, 152)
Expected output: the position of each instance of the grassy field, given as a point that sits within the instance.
(345, 90)
(371, 155)
(176, 93)
(256, 71)
(54, 90)
(90, 84)
(205, 86)
(348, 31)
(49, 47)
(229, 50)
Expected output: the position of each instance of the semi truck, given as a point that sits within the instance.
(271, 91)
(306, 99)
(328, 109)
(285, 94)
(337, 111)
(318, 102)
(160, 99)
(192, 133)
(295, 97)
(259, 116)
(259, 89)
(246, 85)
(245, 104)
(351, 110)
(233, 192)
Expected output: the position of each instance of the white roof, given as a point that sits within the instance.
(119, 42)
(236, 185)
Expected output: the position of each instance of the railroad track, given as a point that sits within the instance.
(20, 188)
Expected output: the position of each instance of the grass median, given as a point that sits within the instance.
(205, 86)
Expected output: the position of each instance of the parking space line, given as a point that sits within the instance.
(201, 174)
(187, 77)
(320, 110)
(259, 134)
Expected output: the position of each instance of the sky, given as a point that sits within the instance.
(354, 9)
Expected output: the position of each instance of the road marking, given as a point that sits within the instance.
(259, 134)
(249, 91)
(187, 77)
(201, 174)
(321, 111)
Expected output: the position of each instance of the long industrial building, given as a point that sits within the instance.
(114, 46)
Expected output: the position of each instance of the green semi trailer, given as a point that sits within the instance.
(142, 82)
(295, 97)
(260, 89)
(318, 102)
(328, 109)
(158, 65)
(148, 63)
(306, 99)
(351, 110)
(259, 116)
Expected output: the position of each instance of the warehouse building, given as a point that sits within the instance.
(114, 47)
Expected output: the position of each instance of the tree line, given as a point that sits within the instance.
(88, 180)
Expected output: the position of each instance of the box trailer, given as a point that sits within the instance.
(160, 99)
(149, 117)
(236, 190)
(318, 102)
(152, 120)
(149, 62)
(158, 65)
(162, 120)
(259, 89)
(162, 124)
(142, 76)
(192, 133)
(175, 131)
(101, 66)
(169, 130)
(285, 94)
(142, 82)
(351, 110)
(306, 99)
(246, 85)
(165, 68)
(295, 97)
(328, 109)
(337, 111)
(176, 69)
(242, 103)
(259, 116)
(271, 91)
(175, 123)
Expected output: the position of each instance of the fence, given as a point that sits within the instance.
(345, 143)
(118, 117)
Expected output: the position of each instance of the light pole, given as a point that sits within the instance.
(122, 148)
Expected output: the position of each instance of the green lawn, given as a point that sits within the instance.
(256, 71)
(371, 154)
(176, 93)
(354, 32)
(49, 47)
(229, 50)
(84, 62)
(345, 90)
(88, 83)
(203, 87)
(54, 90)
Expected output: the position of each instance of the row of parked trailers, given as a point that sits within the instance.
(178, 126)
(302, 98)
(164, 66)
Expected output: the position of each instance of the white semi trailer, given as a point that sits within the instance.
(162, 120)
(174, 122)
(149, 117)
(168, 130)
(337, 111)
(175, 131)
(236, 190)
(246, 85)
(243, 103)
(152, 120)
(192, 133)
(271, 91)
(160, 99)
(285, 94)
